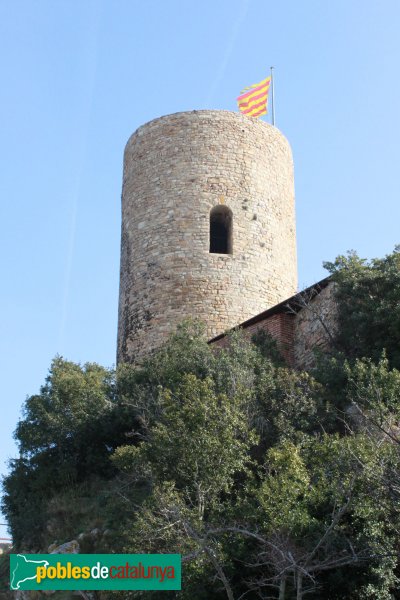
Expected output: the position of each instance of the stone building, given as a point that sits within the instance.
(208, 231)
(208, 225)
(301, 324)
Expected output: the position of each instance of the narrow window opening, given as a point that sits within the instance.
(221, 230)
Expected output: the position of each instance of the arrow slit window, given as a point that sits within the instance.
(221, 230)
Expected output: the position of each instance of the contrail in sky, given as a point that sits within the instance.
(90, 58)
(244, 8)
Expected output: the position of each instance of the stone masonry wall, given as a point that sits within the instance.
(176, 169)
(305, 323)
(315, 327)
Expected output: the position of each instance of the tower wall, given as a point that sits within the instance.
(176, 169)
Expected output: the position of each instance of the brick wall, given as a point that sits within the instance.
(302, 324)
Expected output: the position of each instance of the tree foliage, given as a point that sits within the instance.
(66, 437)
(271, 483)
(368, 295)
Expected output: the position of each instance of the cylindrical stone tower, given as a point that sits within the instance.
(208, 226)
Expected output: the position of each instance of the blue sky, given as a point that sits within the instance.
(79, 77)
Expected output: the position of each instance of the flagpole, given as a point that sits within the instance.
(272, 97)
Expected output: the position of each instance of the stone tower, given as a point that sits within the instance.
(208, 226)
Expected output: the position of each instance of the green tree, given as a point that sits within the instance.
(269, 481)
(194, 457)
(66, 436)
(368, 294)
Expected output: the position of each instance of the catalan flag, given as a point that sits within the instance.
(253, 103)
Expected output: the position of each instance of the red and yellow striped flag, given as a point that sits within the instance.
(254, 102)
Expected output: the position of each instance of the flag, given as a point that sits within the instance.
(253, 103)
